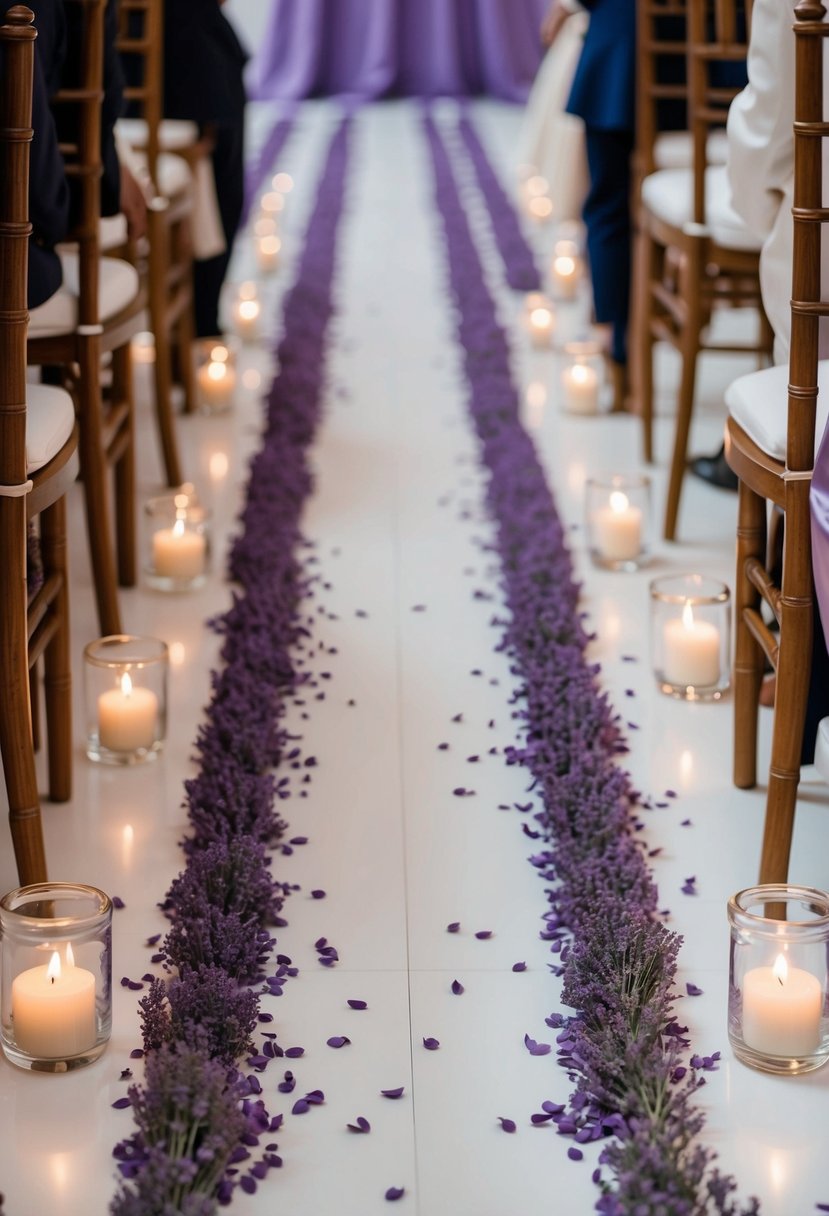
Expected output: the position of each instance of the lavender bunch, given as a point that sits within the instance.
(621, 1048)
(225, 801)
(231, 875)
(209, 938)
(189, 1125)
(204, 1007)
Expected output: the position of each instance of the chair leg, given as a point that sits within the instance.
(689, 351)
(164, 405)
(122, 392)
(784, 772)
(642, 344)
(58, 674)
(15, 716)
(34, 704)
(184, 339)
(94, 475)
(748, 654)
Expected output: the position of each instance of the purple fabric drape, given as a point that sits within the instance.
(819, 509)
(381, 48)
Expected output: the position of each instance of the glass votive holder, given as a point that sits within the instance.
(540, 315)
(777, 985)
(247, 313)
(215, 375)
(584, 385)
(617, 510)
(691, 636)
(56, 942)
(565, 275)
(125, 681)
(177, 542)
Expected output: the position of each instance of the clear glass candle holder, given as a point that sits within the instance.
(247, 313)
(125, 681)
(177, 542)
(215, 375)
(617, 511)
(585, 388)
(540, 318)
(566, 269)
(56, 942)
(777, 986)
(691, 636)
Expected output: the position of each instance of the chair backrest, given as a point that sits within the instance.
(809, 214)
(661, 79)
(140, 45)
(77, 106)
(17, 38)
(718, 33)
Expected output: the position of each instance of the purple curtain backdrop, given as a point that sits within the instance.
(381, 48)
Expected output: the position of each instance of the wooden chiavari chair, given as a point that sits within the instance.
(38, 463)
(770, 445)
(694, 253)
(95, 314)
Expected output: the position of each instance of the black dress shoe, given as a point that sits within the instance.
(715, 471)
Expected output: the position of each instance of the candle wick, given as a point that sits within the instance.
(52, 978)
(780, 980)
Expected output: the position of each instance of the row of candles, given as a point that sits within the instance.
(777, 1009)
(56, 937)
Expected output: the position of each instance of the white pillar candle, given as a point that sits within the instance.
(617, 529)
(782, 1009)
(581, 389)
(127, 716)
(53, 1010)
(565, 276)
(217, 381)
(179, 552)
(691, 651)
(267, 252)
(542, 327)
(246, 319)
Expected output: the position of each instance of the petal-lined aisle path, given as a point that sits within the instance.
(407, 646)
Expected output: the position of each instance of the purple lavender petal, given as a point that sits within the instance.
(431, 1044)
(453, 927)
(317, 894)
(121, 1103)
(692, 989)
(361, 1126)
(300, 1107)
(507, 1125)
(519, 966)
(293, 1053)
(393, 1093)
(338, 1040)
(483, 934)
(394, 1193)
(117, 902)
(355, 1004)
(575, 1154)
(457, 987)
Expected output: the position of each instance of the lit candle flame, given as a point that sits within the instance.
(541, 206)
(688, 615)
(249, 310)
(618, 500)
(780, 970)
(53, 970)
(564, 266)
(70, 956)
(580, 374)
(217, 371)
(270, 245)
(541, 318)
(219, 354)
(178, 526)
(126, 684)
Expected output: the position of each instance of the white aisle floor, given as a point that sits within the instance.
(397, 524)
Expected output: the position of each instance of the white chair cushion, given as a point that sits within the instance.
(173, 133)
(674, 150)
(758, 403)
(668, 194)
(118, 286)
(173, 175)
(50, 417)
(112, 233)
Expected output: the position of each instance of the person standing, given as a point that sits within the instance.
(203, 82)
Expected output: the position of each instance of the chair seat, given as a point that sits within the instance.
(174, 177)
(674, 149)
(174, 134)
(758, 403)
(118, 287)
(668, 195)
(50, 417)
(112, 233)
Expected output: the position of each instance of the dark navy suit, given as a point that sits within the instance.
(603, 95)
(203, 82)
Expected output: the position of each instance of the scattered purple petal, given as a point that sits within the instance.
(117, 902)
(317, 894)
(457, 987)
(393, 1093)
(395, 1192)
(355, 1004)
(519, 966)
(453, 927)
(431, 1044)
(483, 934)
(692, 989)
(338, 1040)
(360, 1125)
(507, 1125)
